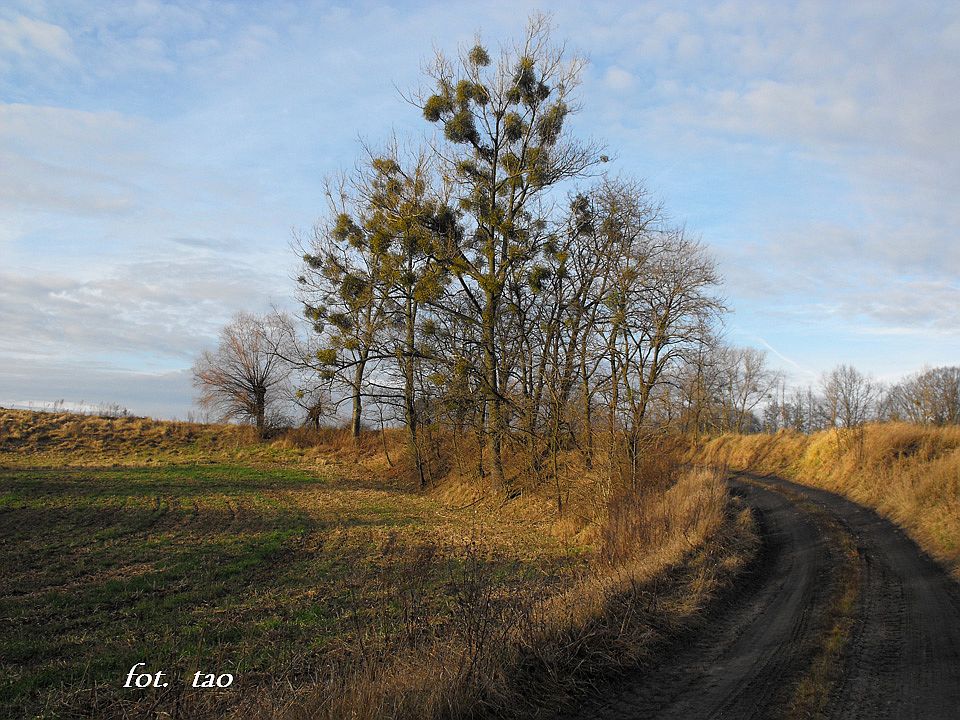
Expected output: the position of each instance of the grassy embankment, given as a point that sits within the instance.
(318, 577)
(908, 473)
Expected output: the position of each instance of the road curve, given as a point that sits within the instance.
(902, 654)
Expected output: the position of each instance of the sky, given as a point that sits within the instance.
(156, 157)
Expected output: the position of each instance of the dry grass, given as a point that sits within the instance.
(655, 551)
(909, 473)
(41, 438)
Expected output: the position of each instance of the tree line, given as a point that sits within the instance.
(846, 397)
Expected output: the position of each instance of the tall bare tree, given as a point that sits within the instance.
(662, 307)
(747, 382)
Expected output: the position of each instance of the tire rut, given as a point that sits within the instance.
(904, 655)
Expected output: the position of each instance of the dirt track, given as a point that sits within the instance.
(901, 656)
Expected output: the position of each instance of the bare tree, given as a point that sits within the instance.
(849, 397)
(931, 397)
(747, 383)
(237, 379)
(661, 306)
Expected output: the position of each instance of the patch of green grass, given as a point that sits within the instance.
(257, 571)
(105, 567)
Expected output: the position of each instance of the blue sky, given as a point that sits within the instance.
(154, 158)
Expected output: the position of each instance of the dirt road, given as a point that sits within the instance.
(787, 645)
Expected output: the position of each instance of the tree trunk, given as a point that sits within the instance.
(260, 400)
(612, 419)
(409, 398)
(494, 429)
(587, 424)
(357, 399)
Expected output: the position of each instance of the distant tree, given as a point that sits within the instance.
(931, 397)
(747, 382)
(849, 397)
(777, 414)
(696, 390)
(310, 383)
(236, 380)
(800, 411)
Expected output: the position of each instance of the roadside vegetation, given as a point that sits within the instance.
(909, 473)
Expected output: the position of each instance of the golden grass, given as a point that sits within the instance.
(909, 473)
(40, 438)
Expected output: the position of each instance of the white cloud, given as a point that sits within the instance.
(618, 78)
(689, 47)
(850, 278)
(192, 134)
(25, 37)
(32, 126)
(65, 160)
(819, 138)
(158, 313)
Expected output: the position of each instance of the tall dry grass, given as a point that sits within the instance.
(28, 436)
(909, 473)
(662, 543)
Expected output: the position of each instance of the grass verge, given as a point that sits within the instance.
(532, 655)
